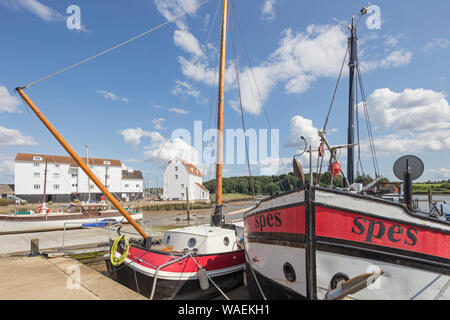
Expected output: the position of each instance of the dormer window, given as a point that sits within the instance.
(107, 162)
(37, 158)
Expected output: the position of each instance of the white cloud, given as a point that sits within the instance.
(8, 102)
(183, 88)
(35, 7)
(158, 123)
(13, 137)
(162, 149)
(437, 43)
(178, 110)
(418, 109)
(268, 10)
(420, 118)
(170, 9)
(188, 42)
(396, 58)
(301, 126)
(437, 174)
(133, 136)
(112, 96)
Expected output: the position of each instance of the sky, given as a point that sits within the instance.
(154, 98)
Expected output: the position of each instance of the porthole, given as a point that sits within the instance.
(192, 242)
(226, 241)
(289, 272)
(337, 279)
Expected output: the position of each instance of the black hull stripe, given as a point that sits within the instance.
(277, 241)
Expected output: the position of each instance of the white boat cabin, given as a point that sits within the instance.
(206, 238)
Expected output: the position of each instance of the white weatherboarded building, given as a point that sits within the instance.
(180, 174)
(65, 181)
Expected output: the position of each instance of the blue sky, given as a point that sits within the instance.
(125, 103)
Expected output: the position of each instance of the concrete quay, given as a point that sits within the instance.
(39, 278)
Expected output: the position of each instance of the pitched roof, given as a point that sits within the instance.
(202, 186)
(136, 174)
(6, 189)
(27, 157)
(191, 169)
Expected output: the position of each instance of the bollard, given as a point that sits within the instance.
(34, 247)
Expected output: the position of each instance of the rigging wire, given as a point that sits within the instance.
(115, 47)
(368, 122)
(335, 89)
(257, 88)
(242, 116)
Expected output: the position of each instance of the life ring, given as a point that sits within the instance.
(46, 211)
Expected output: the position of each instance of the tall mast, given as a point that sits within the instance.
(217, 218)
(44, 198)
(351, 104)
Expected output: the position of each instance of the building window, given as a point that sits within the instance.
(74, 175)
(182, 194)
(37, 175)
(36, 164)
(55, 175)
(56, 165)
(56, 186)
(127, 185)
(37, 158)
(176, 168)
(91, 186)
(106, 162)
(37, 186)
(176, 176)
(182, 185)
(138, 185)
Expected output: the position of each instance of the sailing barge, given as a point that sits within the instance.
(324, 243)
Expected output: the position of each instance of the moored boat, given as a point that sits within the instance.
(71, 217)
(318, 242)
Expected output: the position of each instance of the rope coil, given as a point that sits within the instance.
(118, 260)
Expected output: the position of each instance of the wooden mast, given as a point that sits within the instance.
(80, 162)
(217, 218)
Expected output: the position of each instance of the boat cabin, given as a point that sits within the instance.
(206, 238)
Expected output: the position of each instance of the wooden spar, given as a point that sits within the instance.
(80, 162)
(220, 108)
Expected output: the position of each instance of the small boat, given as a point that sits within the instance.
(174, 269)
(71, 216)
(318, 242)
(191, 257)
